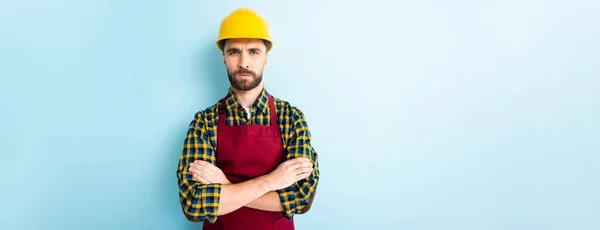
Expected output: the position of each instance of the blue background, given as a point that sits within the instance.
(425, 114)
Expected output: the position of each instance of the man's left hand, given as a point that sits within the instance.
(207, 173)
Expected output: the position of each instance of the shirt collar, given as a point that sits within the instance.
(261, 103)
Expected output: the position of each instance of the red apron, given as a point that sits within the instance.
(245, 152)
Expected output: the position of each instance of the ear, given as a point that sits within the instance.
(266, 58)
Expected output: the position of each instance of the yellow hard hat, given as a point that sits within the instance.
(244, 23)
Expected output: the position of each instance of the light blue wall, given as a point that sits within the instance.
(426, 114)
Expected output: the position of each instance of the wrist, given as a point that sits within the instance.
(266, 183)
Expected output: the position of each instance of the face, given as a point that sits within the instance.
(245, 60)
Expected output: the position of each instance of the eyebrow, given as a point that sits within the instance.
(255, 49)
(232, 49)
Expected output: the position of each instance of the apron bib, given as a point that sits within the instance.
(245, 152)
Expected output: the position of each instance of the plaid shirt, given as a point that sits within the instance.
(201, 201)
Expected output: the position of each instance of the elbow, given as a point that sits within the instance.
(193, 207)
(192, 218)
(306, 201)
(305, 205)
(192, 214)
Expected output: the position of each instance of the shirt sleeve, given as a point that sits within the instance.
(297, 196)
(199, 201)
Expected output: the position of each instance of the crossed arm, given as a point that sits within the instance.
(205, 193)
(257, 191)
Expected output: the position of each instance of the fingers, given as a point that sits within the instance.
(201, 176)
(302, 176)
(202, 172)
(201, 179)
(202, 168)
(298, 162)
(303, 170)
(295, 160)
(203, 165)
(201, 162)
(301, 167)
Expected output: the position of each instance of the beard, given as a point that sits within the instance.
(244, 84)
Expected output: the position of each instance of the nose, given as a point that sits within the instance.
(244, 61)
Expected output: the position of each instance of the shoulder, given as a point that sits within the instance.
(287, 109)
(206, 116)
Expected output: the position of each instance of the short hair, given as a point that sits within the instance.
(267, 43)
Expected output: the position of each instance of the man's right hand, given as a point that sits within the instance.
(288, 172)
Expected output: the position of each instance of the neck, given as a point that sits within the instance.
(247, 98)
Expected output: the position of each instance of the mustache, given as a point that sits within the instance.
(244, 71)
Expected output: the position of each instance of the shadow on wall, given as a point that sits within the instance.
(212, 83)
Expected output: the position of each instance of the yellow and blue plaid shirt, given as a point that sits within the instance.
(201, 201)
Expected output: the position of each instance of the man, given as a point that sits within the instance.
(247, 162)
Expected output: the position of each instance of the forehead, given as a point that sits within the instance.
(246, 43)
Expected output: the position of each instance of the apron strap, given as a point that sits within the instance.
(272, 112)
(221, 111)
